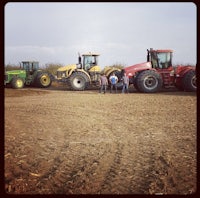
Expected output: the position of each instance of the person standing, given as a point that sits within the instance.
(125, 81)
(103, 83)
(113, 82)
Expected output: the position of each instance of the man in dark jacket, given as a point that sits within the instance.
(103, 83)
(125, 80)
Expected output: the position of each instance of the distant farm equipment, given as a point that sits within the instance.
(158, 72)
(87, 72)
(29, 74)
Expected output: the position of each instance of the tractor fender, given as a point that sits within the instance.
(180, 71)
(70, 71)
(111, 71)
(132, 70)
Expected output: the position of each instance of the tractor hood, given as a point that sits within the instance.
(67, 67)
(15, 72)
(131, 70)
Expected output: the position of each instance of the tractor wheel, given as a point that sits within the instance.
(78, 81)
(118, 74)
(119, 83)
(148, 82)
(136, 87)
(17, 83)
(189, 81)
(135, 82)
(43, 80)
(179, 87)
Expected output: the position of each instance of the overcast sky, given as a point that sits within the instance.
(119, 32)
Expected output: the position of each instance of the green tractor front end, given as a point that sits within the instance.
(15, 78)
(29, 75)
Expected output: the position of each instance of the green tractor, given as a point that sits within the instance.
(29, 74)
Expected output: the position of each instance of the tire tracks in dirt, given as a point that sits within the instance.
(113, 172)
(50, 150)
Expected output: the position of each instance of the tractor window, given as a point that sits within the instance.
(154, 63)
(164, 60)
(35, 65)
(26, 66)
(29, 66)
(89, 61)
(154, 60)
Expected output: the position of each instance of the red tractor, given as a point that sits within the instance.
(158, 72)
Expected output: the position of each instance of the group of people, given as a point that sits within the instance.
(113, 83)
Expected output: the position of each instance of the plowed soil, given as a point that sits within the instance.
(68, 142)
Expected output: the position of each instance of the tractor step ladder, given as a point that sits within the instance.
(166, 79)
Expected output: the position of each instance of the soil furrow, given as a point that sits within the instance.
(68, 142)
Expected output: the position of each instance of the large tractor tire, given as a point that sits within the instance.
(189, 81)
(149, 82)
(136, 87)
(179, 85)
(78, 81)
(17, 83)
(119, 83)
(135, 82)
(43, 80)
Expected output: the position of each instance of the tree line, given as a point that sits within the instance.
(52, 67)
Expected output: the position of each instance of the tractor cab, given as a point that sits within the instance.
(90, 60)
(30, 66)
(160, 59)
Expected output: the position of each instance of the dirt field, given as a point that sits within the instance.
(63, 142)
